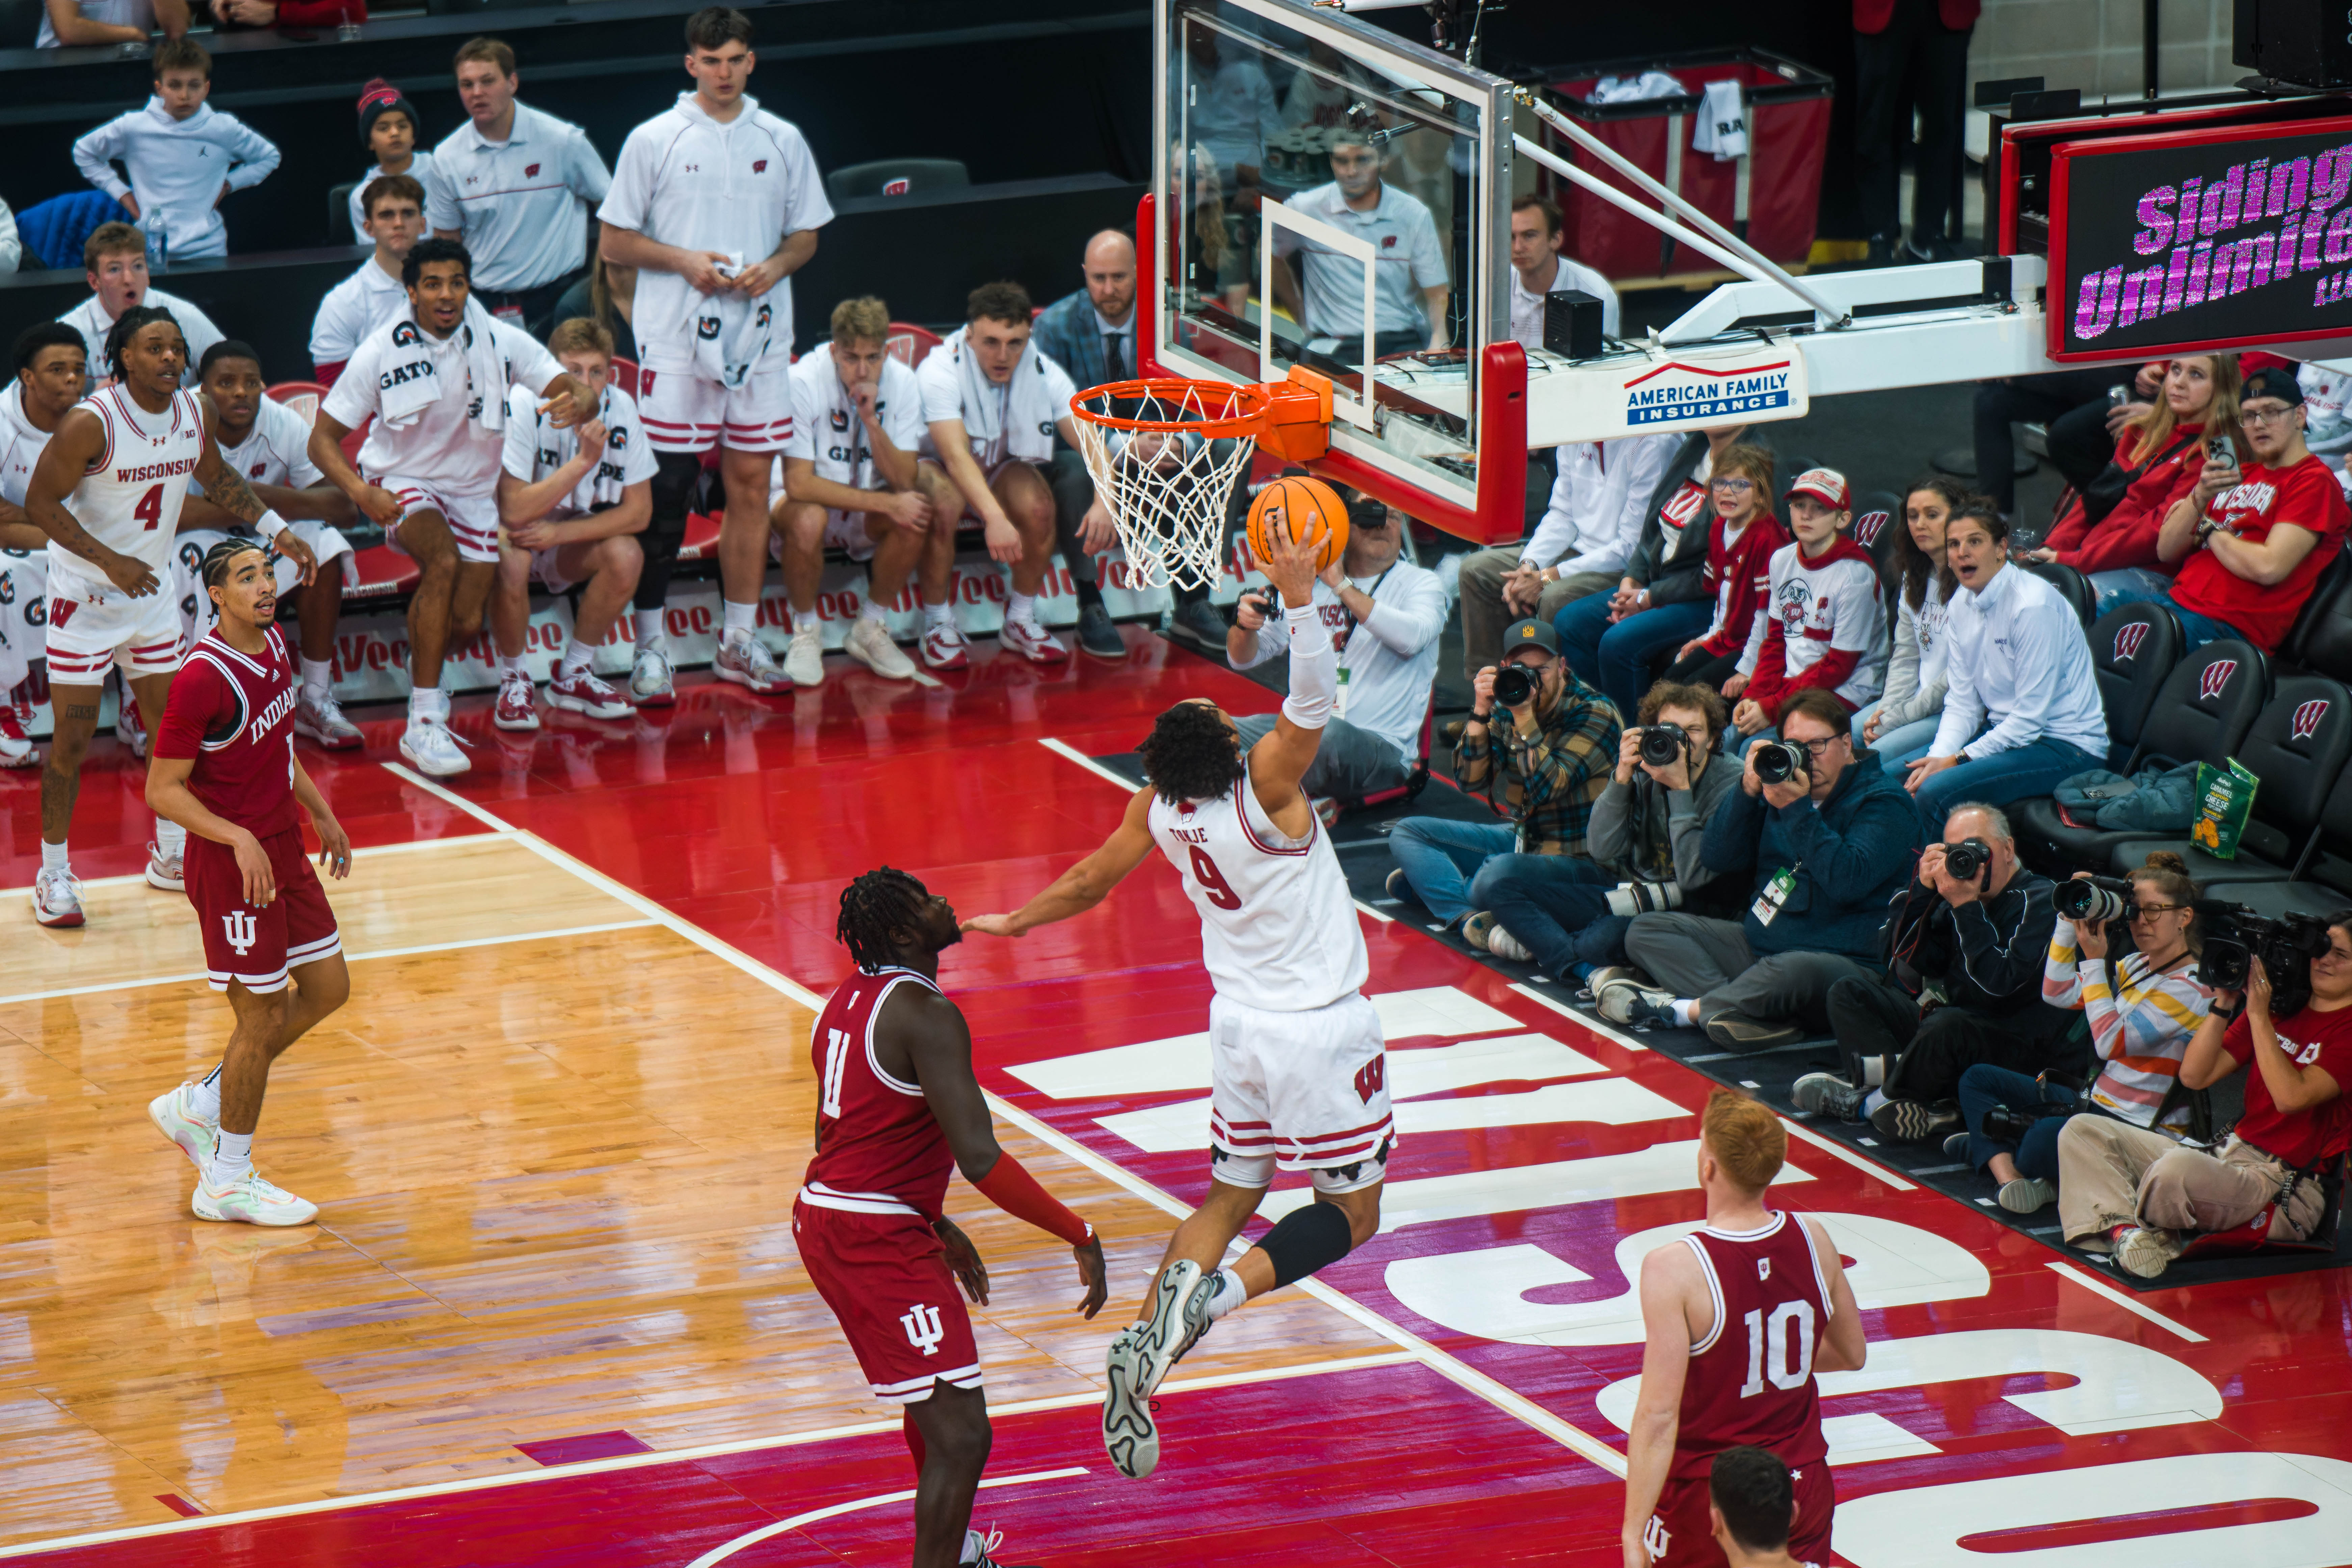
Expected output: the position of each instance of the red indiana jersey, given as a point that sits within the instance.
(1751, 1379)
(879, 1149)
(234, 713)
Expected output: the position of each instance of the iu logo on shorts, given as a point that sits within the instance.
(2215, 677)
(1369, 1076)
(2128, 636)
(239, 925)
(1655, 1538)
(2307, 716)
(923, 1330)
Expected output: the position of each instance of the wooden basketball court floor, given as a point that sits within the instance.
(552, 1312)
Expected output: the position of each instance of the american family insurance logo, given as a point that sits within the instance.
(1675, 392)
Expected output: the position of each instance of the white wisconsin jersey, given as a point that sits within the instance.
(276, 450)
(20, 444)
(130, 497)
(1278, 926)
(827, 430)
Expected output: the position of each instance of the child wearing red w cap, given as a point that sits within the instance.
(390, 129)
(1823, 623)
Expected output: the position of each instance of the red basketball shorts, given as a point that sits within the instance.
(257, 946)
(886, 1277)
(1680, 1535)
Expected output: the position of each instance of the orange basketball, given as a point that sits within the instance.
(1307, 508)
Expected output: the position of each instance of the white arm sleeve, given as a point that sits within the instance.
(1314, 670)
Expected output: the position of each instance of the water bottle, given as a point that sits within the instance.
(159, 248)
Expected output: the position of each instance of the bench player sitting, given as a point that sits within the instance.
(51, 367)
(574, 502)
(850, 480)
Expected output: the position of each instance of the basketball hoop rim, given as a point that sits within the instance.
(1252, 404)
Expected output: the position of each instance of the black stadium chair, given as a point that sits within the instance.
(338, 215)
(896, 177)
(2273, 899)
(2133, 648)
(1877, 527)
(2297, 747)
(2072, 586)
(1784, 474)
(2321, 637)
(2209, 702)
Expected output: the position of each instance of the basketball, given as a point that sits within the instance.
(1309, 507)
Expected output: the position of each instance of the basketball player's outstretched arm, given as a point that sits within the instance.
(80, 441)
(1669, 1282)
(928, 1033)
(1089, 882)
(1842, 1347)
(1281, 759)
(226, 488)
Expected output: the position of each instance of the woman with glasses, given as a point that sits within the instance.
(2142, 1014)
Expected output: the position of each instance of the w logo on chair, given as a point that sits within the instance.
(2128, 636)
(2213, 678)
(1866, 527)
(2306, 723)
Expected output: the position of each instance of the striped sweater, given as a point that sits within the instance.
(2141, 1023)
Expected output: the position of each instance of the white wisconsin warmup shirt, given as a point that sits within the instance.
(2019, 664)
(445, 446)
(827, 430)
(517, 203)
(177, 169)
(1528, 309)
(1407, 257)
(1391, 660)
(90, 320)
(1019, 421)
(20, 447)
(368, 298)
(536, 448)
(686, 179)
(275, 451)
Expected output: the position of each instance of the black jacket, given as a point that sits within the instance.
(1673, 579)
(1986, 956)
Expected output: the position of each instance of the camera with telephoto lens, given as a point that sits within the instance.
(1663, 745)
(1514, 684)
(1966, 861)
(2234, 936)
(1645, 897)
(1777, 762)
(2096, 899)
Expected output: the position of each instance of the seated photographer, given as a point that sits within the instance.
(1904, 719)
(1824, 625)
(2142, 1197)
(1963, 940)
(2140, 1024)
(1645, 834)
(1829, 839)
(1552, 759)
(2250, 541)
(2021, 710)
(1384, 615)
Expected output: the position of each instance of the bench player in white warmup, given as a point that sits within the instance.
(107, 491)
(1298, 1063)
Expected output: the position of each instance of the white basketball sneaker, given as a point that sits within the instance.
(870, 645)
(804, 659)
(1032, 642)
(432, 750)
(584, 693)
(56, 898)
(15, 746)
(747, 663)
(165, 871)
(1140, 1360)
(129, 725)
(174, 1114)
(517, 704)
(649, 681)
(321, 719)
(251, 1200)
(944, 647)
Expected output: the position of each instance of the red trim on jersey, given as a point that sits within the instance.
(106, 424)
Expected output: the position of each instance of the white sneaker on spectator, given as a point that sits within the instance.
(321, 719)
(1506, 947)
(1032, 642)
(56, 898)
(251, 1200)
(16, 745)
(2146, 1251)
(518, 706)
(176, 1120)
(584, 693)
(432, 750)
(944, 647)
(165, 871)
(649, 682)
(130, 725)
(805, 657)
(870, 645)
(746, 663)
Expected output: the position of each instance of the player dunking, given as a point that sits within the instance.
(1738, 1318)
(225, 769)
(898, 1104)
(107, 490)
(1298, 1063)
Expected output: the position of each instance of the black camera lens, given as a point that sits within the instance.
(1662, 745)
(1966, 861)
(1777, 761)
(1513, 684)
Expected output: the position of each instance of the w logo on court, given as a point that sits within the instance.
(923, 1330)
(1370, 1075)
(2128, 636)
(2215, 677)
(1866, 527)
(239, 925)
(2305, 723)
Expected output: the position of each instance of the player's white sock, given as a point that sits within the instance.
(576, 655)
(1231, 1293)
(170, 838)
(740, 618)
(805, 621)
(939, 616)
(204, 1099)
(651, 639)
(317, 677)
(512, 664)
(423, 705)
(1873, 1101)
(53, 856)
(232, 1157)
(874, 610)
(1022, 607)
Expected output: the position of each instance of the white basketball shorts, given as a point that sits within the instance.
(1304, 1091)
(92, 630)
(473, 520)
(684, 412)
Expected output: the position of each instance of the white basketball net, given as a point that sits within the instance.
(1166, 488)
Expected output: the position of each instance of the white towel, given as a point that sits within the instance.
(731, 332)
(417, 382)
(1634, 89)
(1014, 420)
(1722, 127)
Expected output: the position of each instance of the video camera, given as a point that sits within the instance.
(2233, 936)
(2096, 900)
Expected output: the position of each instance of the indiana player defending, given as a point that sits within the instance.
(1740, 1317)
(1297, 1058)
(898, 1105)
(107, 490)
(225, 769)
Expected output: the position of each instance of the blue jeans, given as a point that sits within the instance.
(2005, 776)
(2196, 629)
(1984, 1086)
(1616, 659)
(1544, 901)
(1901, 742)
(1439, 859)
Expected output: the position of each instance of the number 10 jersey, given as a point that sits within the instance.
(1279, 928)
(1751, 1380)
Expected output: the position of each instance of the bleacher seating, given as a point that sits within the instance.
(2297, 747)
(2321, 637)
(896, 177)
(2072, 586)
(2133, 649)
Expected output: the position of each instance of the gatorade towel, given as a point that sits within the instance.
(2224, 799)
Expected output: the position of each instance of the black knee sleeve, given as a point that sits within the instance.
(675, 474)
(1306, 1241)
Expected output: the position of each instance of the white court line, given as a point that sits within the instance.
(403, 847)
(1866, 1167)
(402, 770)
(1597, 1026)
(2101, 1288)
(718, 1554)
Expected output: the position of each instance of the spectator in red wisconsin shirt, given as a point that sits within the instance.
(1738, 569)
(2251, 540)
(2164, 449)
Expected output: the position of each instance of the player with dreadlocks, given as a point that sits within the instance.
(1298, 1062)
(896, 1106)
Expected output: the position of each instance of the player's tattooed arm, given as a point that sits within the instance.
(80, 441)
(227, 489)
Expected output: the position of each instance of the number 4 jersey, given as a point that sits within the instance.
(1278, 927)
(1751, 1379)
(130, 497)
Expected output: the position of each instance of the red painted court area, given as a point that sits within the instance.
(2014, 1408)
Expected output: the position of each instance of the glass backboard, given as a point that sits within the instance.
(1331, 196)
